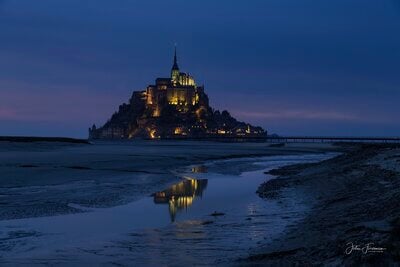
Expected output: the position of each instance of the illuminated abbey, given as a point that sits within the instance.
(173, 107)
(178, 90)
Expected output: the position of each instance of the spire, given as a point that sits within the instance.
(175, 66)
(175, 60)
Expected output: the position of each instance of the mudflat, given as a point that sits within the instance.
(355, 216)
(123, 202)
(42, 178)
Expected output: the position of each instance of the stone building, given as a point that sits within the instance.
(179, 90)
(172, 107)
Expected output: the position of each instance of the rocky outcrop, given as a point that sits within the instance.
(136, 120)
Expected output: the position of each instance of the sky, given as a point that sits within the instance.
(293, 67)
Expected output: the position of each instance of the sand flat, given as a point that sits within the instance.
(355, 203)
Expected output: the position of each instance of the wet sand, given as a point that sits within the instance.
(69, 204)
(42, 178)
(355, 215)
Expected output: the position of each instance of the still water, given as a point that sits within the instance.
(210, 216)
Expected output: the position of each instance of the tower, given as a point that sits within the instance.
(175, 70)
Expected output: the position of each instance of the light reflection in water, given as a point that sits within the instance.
(199, 169)
(181, 196)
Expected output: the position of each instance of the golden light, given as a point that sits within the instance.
(152, 134)
(156, 112)
(178, 130)
(248, 129)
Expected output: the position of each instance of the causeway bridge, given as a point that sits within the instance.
(295, 139)
(331, 139)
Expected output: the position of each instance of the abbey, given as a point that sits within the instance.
(179, 90)
(173, 107)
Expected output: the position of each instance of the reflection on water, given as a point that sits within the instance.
(199, 169)
(180, 196)
(140, 233)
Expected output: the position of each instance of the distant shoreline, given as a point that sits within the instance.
(31, 139)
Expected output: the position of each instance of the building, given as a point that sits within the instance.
(172, 107)
(179, 90)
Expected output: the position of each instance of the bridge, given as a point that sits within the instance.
(293, 139)
(331, 139)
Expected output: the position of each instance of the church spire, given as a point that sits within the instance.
(175, 70)
(175, 66)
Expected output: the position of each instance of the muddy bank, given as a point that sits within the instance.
(355, 217)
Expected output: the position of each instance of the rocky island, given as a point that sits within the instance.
(173, 108)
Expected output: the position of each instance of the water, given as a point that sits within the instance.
(176, 225)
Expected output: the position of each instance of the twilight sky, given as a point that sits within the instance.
(294, 67)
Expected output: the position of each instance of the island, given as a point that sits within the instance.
(173, 108)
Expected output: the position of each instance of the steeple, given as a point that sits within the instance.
(175, 70)
(175, 66)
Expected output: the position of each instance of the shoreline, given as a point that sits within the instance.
(34, 139)
(353, 198)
